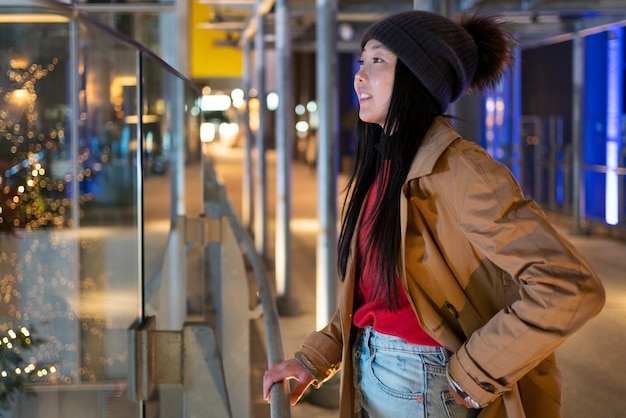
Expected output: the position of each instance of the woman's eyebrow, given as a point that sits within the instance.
(378, 46)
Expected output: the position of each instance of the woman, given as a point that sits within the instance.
(458, 290)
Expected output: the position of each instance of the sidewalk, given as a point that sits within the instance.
(592, 360)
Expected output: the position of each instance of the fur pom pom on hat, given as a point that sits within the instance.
(446, 57)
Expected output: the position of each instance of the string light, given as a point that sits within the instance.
(31, 198)
(15, 371)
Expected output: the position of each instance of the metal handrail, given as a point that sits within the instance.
(280, 405)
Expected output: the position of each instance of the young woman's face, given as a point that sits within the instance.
(373, 83)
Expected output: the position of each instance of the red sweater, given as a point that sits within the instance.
(401, 322)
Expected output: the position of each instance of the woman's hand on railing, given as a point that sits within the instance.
(288, 369)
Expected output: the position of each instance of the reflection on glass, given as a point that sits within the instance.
(73, 223)
(69, 284)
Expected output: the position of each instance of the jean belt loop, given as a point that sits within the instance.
(367, 335)
(446, 354)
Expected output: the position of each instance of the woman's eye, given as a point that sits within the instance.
(361, 62)
(377, 60)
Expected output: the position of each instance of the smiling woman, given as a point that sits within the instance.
(373, 82)
(446, 263)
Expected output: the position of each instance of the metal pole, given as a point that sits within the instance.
(247, 207)
(284, 150)
(260, 180)
(578, 183)
(326, 161)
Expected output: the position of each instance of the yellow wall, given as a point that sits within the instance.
(207, 60)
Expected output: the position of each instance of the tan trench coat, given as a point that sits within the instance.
(488, 277)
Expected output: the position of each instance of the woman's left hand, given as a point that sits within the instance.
(457, 398)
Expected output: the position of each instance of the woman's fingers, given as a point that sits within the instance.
(457, 398)
(289, 369)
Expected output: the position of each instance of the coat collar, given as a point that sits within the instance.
(439, 136)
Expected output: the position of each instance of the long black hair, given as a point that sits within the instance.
(411, 112)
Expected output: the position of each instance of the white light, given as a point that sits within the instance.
(611, 215)
(490, 104)
(228, 129)
(613, 125)
(302, 126)
(215, 102)
(311, 106)
(346, 31)
(207, 132)
(272, 101)
(236, 94)
(238, 98)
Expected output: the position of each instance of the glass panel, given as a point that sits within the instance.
(69, 258)
(142, 26)
(158, 212)
(191, 128)
(125, 1)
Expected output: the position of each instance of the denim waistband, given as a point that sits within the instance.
(373, 338)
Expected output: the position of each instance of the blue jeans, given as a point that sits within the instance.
(396, 379)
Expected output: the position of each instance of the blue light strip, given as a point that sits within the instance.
(615, 68)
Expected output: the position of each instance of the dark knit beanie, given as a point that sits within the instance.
(445, 56)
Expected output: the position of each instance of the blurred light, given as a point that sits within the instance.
(300, 109)
(18, 63)
(272, 101)
(302, 126)
(236, 94)
(206, 90)
(311, 106)
(18, 96)
(228, 129)
(207, 132)
(238, 98)
(614, 111)
(216, 102)
(306, 225)
(346, 31)
(32, 18)
(133, 119)
(254, 105)
(490, 105)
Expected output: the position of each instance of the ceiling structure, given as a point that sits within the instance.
(534, 22)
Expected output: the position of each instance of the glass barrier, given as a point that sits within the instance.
(158, 214)
(123, 1)
(85, 207)
(142, 26)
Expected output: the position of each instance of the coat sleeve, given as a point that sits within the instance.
(321, 351)
(558, 289)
